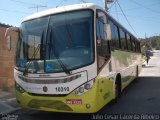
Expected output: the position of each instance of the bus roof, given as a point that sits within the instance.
(71, 8)
(62, 9)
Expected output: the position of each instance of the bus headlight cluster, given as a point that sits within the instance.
(19, 88)
(81, 89)
(87, 86)
(84, 88)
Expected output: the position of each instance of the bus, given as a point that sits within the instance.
(74, 59)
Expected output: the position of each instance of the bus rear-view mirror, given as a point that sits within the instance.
(107, 30)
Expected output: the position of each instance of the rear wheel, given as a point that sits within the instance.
(117, 89)
(137, 74)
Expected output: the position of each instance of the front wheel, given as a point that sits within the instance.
(117, 91)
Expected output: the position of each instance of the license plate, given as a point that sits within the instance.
(74, 101)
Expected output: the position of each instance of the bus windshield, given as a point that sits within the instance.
(56, 43)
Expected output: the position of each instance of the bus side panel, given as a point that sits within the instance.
(126, 64)
(105, 91)
(105, 83)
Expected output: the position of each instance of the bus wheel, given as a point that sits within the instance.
(136, 77)
(117, 89)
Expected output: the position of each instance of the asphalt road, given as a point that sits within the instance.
(140, 100)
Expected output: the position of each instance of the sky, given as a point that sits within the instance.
(140, 17)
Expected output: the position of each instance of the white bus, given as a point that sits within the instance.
(74, 58)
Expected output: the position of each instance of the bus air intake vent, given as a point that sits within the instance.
(51, 104)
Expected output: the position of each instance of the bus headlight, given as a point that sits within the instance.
(84, 88)
(19, 88)
(76, 92)
(87, 86)
(81, 89)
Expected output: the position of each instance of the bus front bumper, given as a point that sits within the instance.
(85, 103)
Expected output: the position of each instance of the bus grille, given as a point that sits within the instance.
(51, 104)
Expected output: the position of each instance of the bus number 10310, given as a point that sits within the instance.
(62, 89)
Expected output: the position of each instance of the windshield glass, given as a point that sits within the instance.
(56, 43)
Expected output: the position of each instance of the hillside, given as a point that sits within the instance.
(150, 43)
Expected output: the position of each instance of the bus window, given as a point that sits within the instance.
(139, 46)
(103, 52)
(34, 42)
(114, 35)
(129, 42)
(126, 41)
(103, 49)
(100, 29)
(133, 44)
(123, 39)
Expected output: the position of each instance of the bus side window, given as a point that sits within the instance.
(135, 45)
(115, 42)
(139, 46)
(100, 30)
(129, 42)
(103, 48)
(100, 37)
(123, 39)
(126, 41)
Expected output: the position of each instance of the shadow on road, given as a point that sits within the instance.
(140, 97)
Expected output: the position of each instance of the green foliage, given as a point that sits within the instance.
(150, 43)
(157, 48)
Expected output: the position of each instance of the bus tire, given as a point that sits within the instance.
(137, 74)
(117, 88)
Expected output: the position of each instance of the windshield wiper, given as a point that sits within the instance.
(51, 47)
